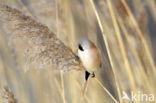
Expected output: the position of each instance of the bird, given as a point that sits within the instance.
(41, 47)
(90, 57)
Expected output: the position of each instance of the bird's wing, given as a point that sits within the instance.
(38, 44)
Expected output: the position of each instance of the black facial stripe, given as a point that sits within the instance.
(80, 47)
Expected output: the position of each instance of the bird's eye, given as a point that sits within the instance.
(80, 47)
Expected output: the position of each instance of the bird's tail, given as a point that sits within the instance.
(84, 88)
(85, 83)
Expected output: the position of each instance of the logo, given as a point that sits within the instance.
(138, 96)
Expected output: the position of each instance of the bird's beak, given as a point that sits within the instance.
(77, 49)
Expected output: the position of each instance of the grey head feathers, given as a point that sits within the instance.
(85, 44)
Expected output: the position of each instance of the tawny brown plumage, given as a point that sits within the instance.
(40, 46)
(90, 57)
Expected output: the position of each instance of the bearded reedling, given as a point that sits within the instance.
(43, 49)
(89, 55)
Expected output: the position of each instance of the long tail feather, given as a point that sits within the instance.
(85, 83)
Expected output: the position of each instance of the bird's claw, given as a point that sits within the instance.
(93, 75)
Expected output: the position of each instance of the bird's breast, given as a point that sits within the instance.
(90, 59)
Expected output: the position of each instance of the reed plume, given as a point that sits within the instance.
(7, 96)
(39, 45)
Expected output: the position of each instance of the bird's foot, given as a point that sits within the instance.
(93, 75)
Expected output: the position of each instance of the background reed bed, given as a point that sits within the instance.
(123, 30)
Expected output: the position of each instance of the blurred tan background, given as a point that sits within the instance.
(128, 59)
